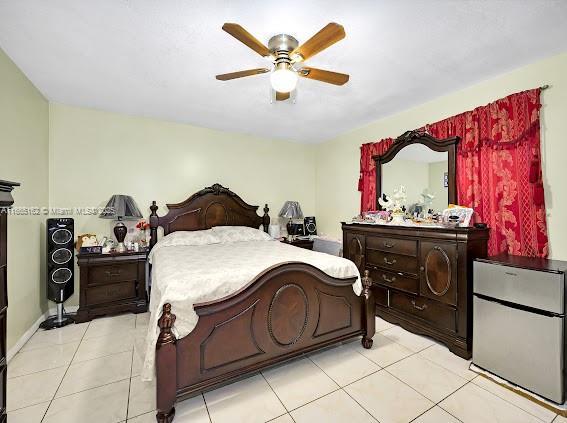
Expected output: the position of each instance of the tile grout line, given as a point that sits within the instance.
(341, 388)
(70, 364)
(275, 393)
(129, 385)
(309, 402)
(64, 374)
(207, 408)
(511, 403)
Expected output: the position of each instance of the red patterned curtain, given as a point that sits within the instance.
(367, 180)
(499, 171)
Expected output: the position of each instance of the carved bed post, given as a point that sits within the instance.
(166, 367)
(154, 223)
(369, 310)
(266, 219)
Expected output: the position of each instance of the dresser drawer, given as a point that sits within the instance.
(111, 292)
(407, 247)
(113, 273)
(395, 280)
(395, 262)
(435, 313)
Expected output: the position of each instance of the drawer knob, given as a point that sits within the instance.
(387, 279)
(388, 245)
(389, 262)
(112, 274)
(420, 308)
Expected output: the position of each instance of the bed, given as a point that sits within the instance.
(289, 308)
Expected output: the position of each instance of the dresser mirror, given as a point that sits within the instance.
(425, 166)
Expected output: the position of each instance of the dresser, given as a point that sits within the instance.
(6, 201)
(111, 283)
(422, 277)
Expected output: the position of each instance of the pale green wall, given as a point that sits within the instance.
(95, 154)
(338, 159)
(24, 138)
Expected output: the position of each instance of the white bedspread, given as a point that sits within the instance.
(187, 275)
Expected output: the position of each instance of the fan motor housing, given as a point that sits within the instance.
(282, 42)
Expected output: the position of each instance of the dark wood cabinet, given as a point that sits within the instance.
(111, 283)
(422, 277)
(6, 202)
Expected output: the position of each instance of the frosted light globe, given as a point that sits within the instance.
(283, 80)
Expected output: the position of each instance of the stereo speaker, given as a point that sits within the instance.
(310, 225)
(60, 267)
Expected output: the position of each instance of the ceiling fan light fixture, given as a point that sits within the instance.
(283, 78)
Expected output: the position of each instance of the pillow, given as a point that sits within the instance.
(240, 233)
(204, 237)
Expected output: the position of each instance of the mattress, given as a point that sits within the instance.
(188, 275)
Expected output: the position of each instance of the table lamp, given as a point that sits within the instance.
(121, 207)
(291, 210)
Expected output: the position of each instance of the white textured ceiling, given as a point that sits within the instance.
(159, 58)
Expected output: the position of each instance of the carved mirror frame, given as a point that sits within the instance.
(421, 137)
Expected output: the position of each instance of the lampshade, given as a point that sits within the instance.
(291, 210)
(121, 207)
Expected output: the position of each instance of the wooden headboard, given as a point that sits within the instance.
(212, 206)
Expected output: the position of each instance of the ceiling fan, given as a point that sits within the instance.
(287, 56)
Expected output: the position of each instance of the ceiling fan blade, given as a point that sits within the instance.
(329, 77)
(246, 38)
(281, 96)
(328, 36)
(241, 74)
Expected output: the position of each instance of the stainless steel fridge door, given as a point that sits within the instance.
(522, 347)
(541, 290)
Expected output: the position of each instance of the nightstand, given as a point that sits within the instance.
(301, 243)
(111, 283)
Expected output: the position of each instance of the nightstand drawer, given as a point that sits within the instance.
(111, 292)
(113, 273)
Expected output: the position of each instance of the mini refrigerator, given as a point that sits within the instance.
(519, 322)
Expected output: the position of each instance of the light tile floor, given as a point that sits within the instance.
(90, 373)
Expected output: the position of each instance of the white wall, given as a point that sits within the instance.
(338, 159)
(24, 132)
(95, 154)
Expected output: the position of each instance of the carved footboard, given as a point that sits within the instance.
(288, 310)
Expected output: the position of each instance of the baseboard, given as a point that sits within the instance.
(32, 329)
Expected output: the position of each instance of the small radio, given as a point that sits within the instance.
(310, 225)
(297, 229)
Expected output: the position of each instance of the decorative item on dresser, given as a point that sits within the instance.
(422, 270)
(121, 207)
(111, 283)
(285, 311)
(6, 201)
(301, 243)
